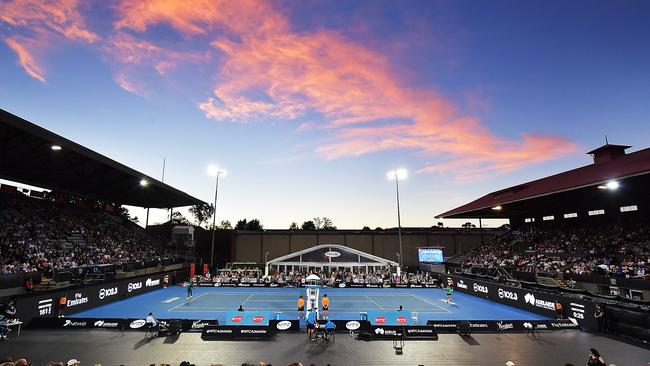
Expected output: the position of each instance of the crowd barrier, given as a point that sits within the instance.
(539, 302)
(618, 281)
(12, 280)
(84, 298)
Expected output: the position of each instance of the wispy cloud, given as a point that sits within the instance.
(36, 23)
(267, 71)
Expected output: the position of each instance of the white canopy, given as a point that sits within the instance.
(328, 257)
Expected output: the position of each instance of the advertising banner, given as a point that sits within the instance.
(498, 326)
(248, 317)
(221, 332)
(539, 302)
(412, 332)
(386, 318)
(85, 298)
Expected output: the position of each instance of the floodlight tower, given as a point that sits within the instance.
(397, 175)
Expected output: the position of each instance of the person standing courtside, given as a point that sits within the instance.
(326, 306)
(301, 307)
(63, 301)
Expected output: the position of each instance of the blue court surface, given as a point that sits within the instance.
(213, 303)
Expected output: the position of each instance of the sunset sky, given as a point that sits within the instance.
(308, 104)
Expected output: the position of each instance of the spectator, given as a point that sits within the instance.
(595, 359)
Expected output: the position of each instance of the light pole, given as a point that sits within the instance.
(397, 175)
(266, 263)
(214, 172)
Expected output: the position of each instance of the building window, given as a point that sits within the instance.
(596, 212)
(629, 208)
(548, 218)
(570, 215)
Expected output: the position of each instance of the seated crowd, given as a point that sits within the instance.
(41, 234)
(332, 279)
(607, 250)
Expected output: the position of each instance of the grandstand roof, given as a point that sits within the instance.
(26, 156)
(610, 163)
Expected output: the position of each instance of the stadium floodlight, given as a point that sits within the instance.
(497, 208)
(143, 183)
(216, 172)
(397, 175)
(55, 147)
(400, 174)
(612, 185)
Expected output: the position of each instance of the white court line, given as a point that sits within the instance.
(429, 302)
(184, 303)
(375, 302)
(248, 298)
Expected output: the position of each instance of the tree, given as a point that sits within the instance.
(202, 212)
(135, 219)
(308, 225)
(225, 225)
(179, 219)
(378, 228)
(254, 225)
(466, 225)
(241, 224)
(440, 224)
(365, 228)
(324, 223)
(294, 226)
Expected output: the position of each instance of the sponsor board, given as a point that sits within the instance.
(132, 286)
(107, 292)
(352, 325)
(215, 332)
(45, 307)
(283, 325)
(106, 324)
(505, 294)
(480, 288)
(461, 284)
(544, 304)
(77, 299)
(71, 323)
(137, 324)
(150, 282)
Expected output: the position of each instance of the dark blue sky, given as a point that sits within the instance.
(309, 104)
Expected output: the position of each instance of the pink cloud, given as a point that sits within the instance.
(40, 23)
(132, 57)
(24, 48)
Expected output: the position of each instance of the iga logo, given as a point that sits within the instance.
(461, 284)
(134, 286)
(341, 285)
(236, 318)
(380, 320)
(508, 295)
(149, 282)
(402, 319)
(480, 288)
(379, 331)
(106, 292)
(283, 325)
(137, 324)
(258, 318)
(45, 307)
(352, 325)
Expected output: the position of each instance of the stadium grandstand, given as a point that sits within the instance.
(74, 265)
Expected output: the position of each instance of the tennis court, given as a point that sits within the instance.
(213, 303)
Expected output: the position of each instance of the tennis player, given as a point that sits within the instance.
(449, 290)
